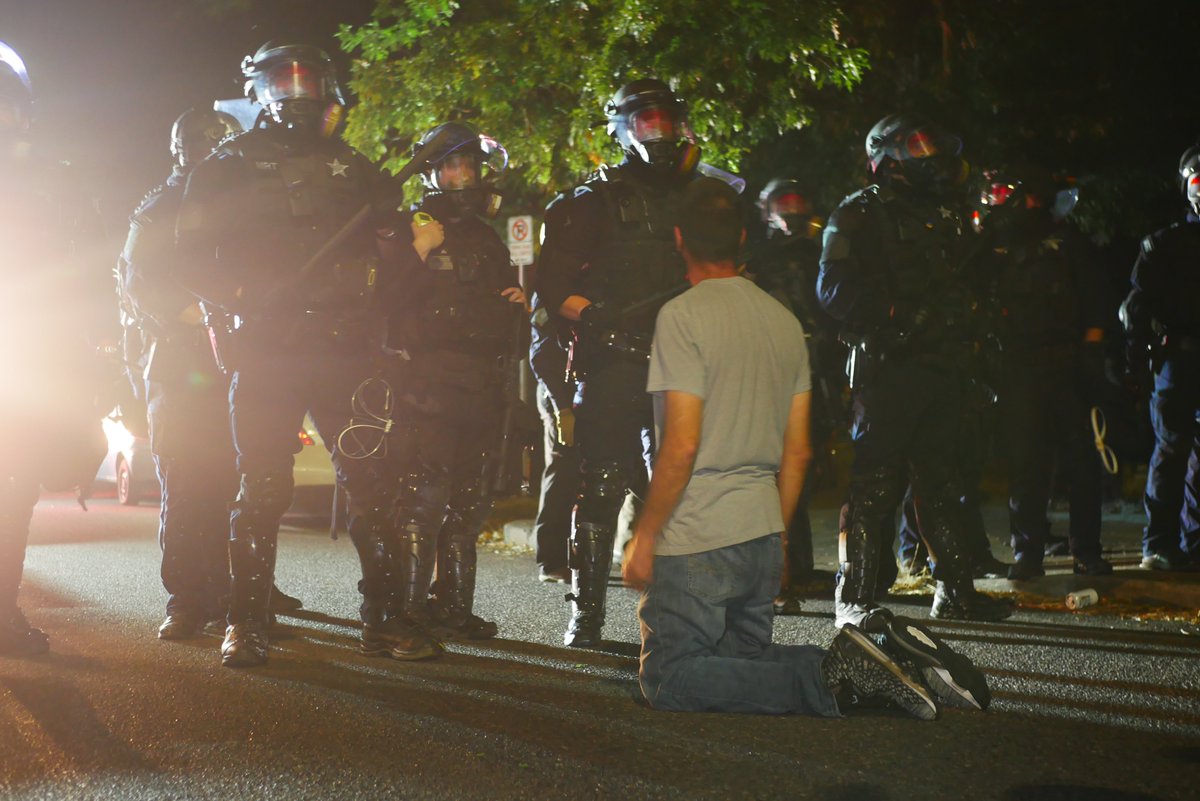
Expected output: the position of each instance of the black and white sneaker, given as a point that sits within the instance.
(861, 674)
(953, 678)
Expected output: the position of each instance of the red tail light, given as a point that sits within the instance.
(305, 439)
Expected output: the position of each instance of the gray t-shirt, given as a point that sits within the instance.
(743, 352)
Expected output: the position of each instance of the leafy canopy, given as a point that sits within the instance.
(535, 74)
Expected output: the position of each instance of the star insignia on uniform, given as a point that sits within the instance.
(946, 213)
(1051, 244)
(337, 168)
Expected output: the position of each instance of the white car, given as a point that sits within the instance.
(129, 466)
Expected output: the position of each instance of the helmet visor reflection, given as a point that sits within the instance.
(926, 142)
(657, 124)
(790, 203)
(291, 80)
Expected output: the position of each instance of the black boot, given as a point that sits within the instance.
(245, 645)
(454, 591)
(964, 602)
(18, 638)
(385, 631)
(252, 568)
(283, 603)
(590, 556)
(956, 597)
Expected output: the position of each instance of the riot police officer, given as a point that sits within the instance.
(786, 266)
(890, 275)
(48, 405)
(607, 265)
(1052, 312)
(454, 319)
(186, 394)
(282, 227)
(1162, 326)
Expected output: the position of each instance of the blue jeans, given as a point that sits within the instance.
(706, 637)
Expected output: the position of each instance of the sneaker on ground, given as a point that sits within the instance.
(860, 674)
(953, 678)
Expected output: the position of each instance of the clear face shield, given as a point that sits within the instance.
(299, 92)
(790, 213)
(470, 165)
(657, 130)
(467, 174)
(931, 160)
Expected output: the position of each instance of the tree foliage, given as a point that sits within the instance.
(536, 73)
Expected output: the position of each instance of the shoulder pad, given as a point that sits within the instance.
(567, 204)
(147, 201)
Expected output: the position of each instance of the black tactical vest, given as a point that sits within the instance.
(301, 197)
(636, 260)
(461, 306)
(924, 245)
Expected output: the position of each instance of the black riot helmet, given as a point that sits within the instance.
(786, 209)
(197, 132)
(463, 165)
(910, 151)
(1189, 176)
(297, 85)
(16, 103)
(651, 124)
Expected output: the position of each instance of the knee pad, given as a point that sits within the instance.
(424, 500)
(265, 495)
(601, 495)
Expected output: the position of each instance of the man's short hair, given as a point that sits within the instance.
(710, 221)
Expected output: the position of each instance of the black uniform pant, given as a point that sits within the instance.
(614, 424)
(443, 453)
(1173, 478)
(273, 388)
(560, 485)
(192, 442)
(906, 426)
(1044, 414)
(972, 454)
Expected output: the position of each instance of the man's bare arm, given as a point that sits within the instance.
(672, 471)
(797, 453)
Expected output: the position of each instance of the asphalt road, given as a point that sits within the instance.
(1092, 707)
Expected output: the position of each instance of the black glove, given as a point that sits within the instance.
(598, 315)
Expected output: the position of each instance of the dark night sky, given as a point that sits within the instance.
(112, 75)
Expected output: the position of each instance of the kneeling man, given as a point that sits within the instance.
(730, 378)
